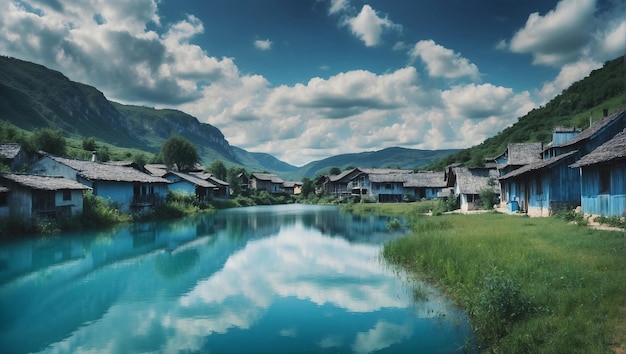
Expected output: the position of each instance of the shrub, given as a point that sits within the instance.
(613, 221)
(500, 303)
(100, 212)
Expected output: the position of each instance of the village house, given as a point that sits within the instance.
(547, 186)
(43, 196)
(190, 185)
(603, 178)
(467, 183)
(14, 156)
(292, 187)
(424, 185)
(129, 188)
(221, 189)
(337, 185)
(268, 182)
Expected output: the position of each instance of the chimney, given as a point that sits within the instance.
(94, 156)
(605, 112)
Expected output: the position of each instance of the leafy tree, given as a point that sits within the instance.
(50, 141)
(103, 154)
(140, 159)
(233, 181)
(177, 151)
(218, 169)
(335, 171)
(89, 144)
(307, 187)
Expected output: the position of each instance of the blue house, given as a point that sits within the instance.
(544, 187)
(603, 178)
(191, 185)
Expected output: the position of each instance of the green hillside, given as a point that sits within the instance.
(602, 89)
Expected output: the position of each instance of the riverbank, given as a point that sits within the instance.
(540, 285)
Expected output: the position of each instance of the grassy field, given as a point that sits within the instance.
(530, 285)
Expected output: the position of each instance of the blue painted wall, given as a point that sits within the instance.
(611, 204)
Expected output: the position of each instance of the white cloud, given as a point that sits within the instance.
(369, 27)
(337, 6)
(264, 44)
(559, 36)
(443, 62)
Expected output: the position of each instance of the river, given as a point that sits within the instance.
(271, 279)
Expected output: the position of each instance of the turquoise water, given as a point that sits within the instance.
(276, 279)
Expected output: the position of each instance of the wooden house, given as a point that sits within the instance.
(292, 187)
(515, 156)
(129, 188)
(467, 183)
(603, 178)
(45, 196)
(424, 185)
(189, 184)
(543, 187)
(268, 182)
(385, 187)
(221, 189)
(337, 185)
(14, 156)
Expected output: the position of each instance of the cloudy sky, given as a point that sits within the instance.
(307, 79)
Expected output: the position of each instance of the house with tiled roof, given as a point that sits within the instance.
(547, 186)
(129, 188)
(266, 182)
(190, 184)
(14, 156)
(221, 189)
(43, 196)
(603, 178)
(424, 185)
(467, 183)
(292, 187)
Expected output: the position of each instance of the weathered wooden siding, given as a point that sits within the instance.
(612, 204)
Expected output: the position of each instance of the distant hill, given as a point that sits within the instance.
(394, 157)
(601, 89)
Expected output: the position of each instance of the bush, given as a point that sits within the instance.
(100, 212)
(500, 303)
(613, 221)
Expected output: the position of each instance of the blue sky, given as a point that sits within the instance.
(307, 79)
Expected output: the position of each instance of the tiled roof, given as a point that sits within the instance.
(426, 180)
(291, 184)
(50, 183)
(268, 177)
(9, 150)
(613, 149)
(473, 180)
(158, 170)
(209, 177)
(193, 179)
(537, 165)
(97, 171)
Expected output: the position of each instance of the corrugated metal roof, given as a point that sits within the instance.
(537, 165)
(51, 183)
(611, 150)
(97, 171)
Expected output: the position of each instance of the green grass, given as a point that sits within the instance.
(538, 285)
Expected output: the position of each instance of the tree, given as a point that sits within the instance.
(180, 153)
(218, 170)
(334, 171)
(89, 144)
(233, 180)
(307, 187)
(140, 159)
(50, 141)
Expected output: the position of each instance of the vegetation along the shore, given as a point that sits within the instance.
(540, 285)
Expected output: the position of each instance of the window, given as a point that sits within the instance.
(4, 199)
(388, 186)
(67, 195)
(605, 181)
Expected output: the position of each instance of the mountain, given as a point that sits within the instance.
(33, 96)
(393, 157)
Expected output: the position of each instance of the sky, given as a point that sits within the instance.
(307, 79)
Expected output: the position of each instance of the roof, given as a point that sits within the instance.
(98, 171)
(524, 153)
(426, 180)
(158, 170)
(537, 165)
(10, 150)
(267, 177)
(342, 175)
(473, 180)
(209, 177)
(192, 179)
(611, 150)
(292, 184)
(596, 127)
(3, 189)
(48, 183)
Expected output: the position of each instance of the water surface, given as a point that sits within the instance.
(262, 279)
